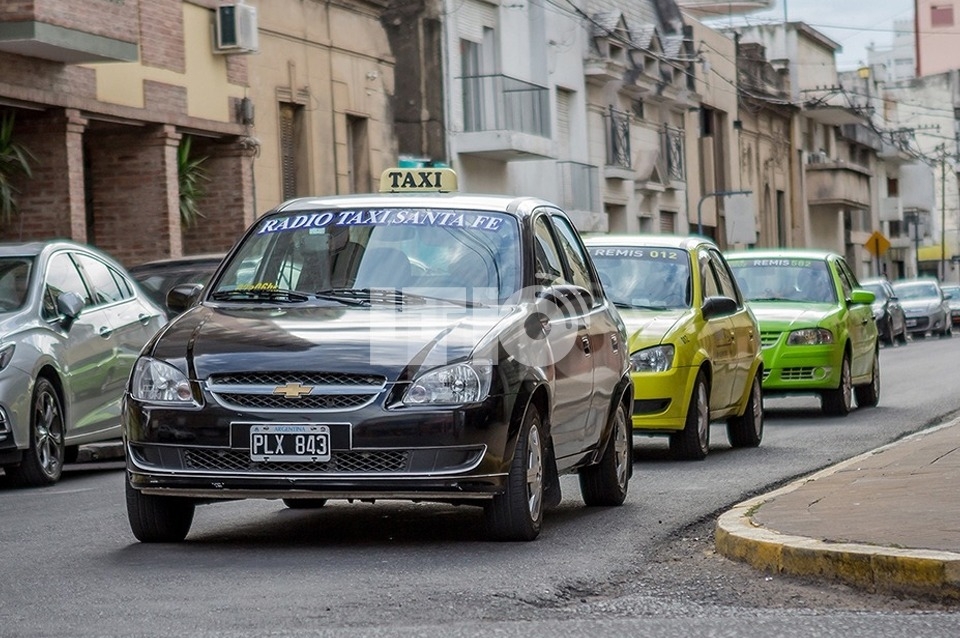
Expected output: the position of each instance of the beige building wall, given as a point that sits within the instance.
(938, 36)
(332, 62)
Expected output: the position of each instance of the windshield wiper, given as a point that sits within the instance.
(400, 297)
(350, 296)
(623, 304)
(259, 294)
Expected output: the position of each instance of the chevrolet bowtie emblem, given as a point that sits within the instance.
(293, 390)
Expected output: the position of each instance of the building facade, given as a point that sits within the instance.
(103, 94)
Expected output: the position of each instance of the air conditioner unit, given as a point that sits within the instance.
(236, 30)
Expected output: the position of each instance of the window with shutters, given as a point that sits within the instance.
(358, 148)
(668, 222)
(291, 116)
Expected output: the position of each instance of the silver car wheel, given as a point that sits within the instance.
(534, 473)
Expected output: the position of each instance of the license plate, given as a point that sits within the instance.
(306, 443)
(911, 323)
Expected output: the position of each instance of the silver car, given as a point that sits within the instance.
(72, 322)
(925, 306)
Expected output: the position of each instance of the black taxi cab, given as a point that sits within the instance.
(414, 344)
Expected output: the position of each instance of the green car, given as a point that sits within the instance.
(816, 326)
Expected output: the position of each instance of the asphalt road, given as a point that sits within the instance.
(71, 567)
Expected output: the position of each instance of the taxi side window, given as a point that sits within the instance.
(727, 286)
(576, 258)
(547, 263)
(62, 276)
(707, 277)
(847, 279)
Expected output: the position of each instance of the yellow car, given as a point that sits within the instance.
(694, 344)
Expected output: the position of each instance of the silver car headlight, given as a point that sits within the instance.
(6, 354)
(810, 337)
(453, 384)
(655, 359)
(157, 381)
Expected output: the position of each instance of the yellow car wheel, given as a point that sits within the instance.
(746, 430)
(693, 441)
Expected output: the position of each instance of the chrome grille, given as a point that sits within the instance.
(342, 462)
(296, 391)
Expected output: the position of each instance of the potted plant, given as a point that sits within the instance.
(192, 176)
(14, 162)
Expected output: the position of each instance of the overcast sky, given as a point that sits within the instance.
(853, 24)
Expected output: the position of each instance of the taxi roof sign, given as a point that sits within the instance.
(418, 180)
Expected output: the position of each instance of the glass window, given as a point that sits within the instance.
(101, 280)
(711, 288)
(549, 267)
(576, 258)
(727, 286)
(14, 282)
(62, 276)
(644, 277)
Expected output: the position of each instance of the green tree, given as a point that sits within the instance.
(14, 162)
(192, 177)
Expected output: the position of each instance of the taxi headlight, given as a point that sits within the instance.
(453, 384)
(154, 380)
(655, 359)
(810, 337)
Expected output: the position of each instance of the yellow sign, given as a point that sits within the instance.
(877, 244)
(418, 180)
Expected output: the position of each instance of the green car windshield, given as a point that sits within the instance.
(784, 279)
(644, 277)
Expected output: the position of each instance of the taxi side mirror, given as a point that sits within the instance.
(180, 298)
(718, 306)
(567, 295)
(861, 296)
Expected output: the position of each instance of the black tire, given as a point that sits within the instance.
(888, 338)
(517, 513)
(919, 335)
(304, 503)
(839, 402)
(158, 519)
(947, 329)
(746, 430)
(693, 442)
(903, 336)
(868, 396)
(605, 484)
(42, 463)
(71, 453)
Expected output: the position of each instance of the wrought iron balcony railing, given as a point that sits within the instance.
(618, 138)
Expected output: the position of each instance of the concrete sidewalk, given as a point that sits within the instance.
(886, 520)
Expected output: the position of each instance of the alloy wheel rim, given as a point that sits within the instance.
(49, 434)
(703, 415)
(622, 449)
(847, 387)
(757, 407)
(534, 473)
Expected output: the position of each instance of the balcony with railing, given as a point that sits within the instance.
(504, 119)
(617, 128)
(579, 186)
(672, 154)
(837, 183)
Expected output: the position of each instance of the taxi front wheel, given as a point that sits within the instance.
(693, 441)
(158, 519)
(839, 402)
(606, 482)
(517, 513)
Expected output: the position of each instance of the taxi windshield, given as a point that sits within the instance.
(450, 254)
(649, 277)
(788, 279)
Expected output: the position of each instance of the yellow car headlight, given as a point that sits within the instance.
(655, 359)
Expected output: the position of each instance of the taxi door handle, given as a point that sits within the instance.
(585, 345)
(144, 318)
(105, 331)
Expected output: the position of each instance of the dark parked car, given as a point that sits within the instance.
(926, 307)
(887, 311)
(72, 322)
(954, 302)
(417, 346)
(158, 277)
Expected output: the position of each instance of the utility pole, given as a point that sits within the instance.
(943, 212)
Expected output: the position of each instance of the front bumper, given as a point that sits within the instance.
(788, 369)
(436, 453)
(660, 399)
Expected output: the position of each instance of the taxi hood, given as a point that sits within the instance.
(649, 327)
(781, 315)
(382, 340)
